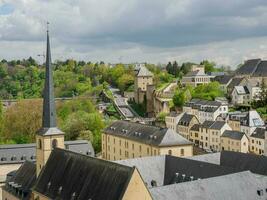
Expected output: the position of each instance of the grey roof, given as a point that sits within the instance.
(164, 169)
(225, 79)
(213, 158)
(259, 133)
(233, 83)
(195, 73)
(250, 118)
(261, 69)
(143, 71)
(82, 177)
(186, 119)
(244, 161)
(204, 105)
(235, 135)
(249, 67)
(22, 180)
(146, 134)
(242, 185)
(216, 125)
(18, 153)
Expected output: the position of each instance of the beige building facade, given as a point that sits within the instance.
(124, 140)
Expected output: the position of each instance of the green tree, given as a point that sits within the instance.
(179, 98)
(209, 66)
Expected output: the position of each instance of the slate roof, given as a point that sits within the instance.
(241, 90)
(186, 119)
(166, 170)
(143, 71)
(233, 83)
(146, 134)
(259, 133)
(195, 73)
(244, 161)
(242, 185)
(235, 135)
(261, 69)
(18, 153)
(249, 67)
(225, 79)
(204, 105)
(195, 127)
(69, 175)
(21, 182)
(213, 158)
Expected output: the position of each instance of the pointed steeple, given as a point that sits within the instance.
(49, 110)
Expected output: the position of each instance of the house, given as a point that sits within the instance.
(205, 110)
(224, 81)
(124, 139)
(143, 78)
(256, 141)
(234, 141)
(245, 122)
(210, 133)
(195, 78)
(185, 124)
(172, 119)
(240, 95)
(236, 81)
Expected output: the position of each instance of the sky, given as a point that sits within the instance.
(156, 31)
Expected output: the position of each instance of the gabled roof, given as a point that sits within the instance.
(216, 125)
(234, 82)
(18, 153)
(195, 73)
(143, 71)
(146, 134)
(22, 181)
(242, 185)
(69, 175)
(195, 127)
(249, 67)
(225, 79)
(259, 133)
(235, 135)
(261, 69)
(241, 90)
(186, 119)
(244, 161)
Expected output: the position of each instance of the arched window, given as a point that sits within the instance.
(40, 144)
(170, 152)
(182, 152)
(54, 143)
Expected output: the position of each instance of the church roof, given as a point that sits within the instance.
(143, 71)
(147, 134)
(69, 175)
(21, 182)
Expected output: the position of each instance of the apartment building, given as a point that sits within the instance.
(124, 139)
(234, 141)
(206, 110)
(256, 141)
(172, 119)
(185, 124)
(143, 78)
(245, 122)
(210, 133)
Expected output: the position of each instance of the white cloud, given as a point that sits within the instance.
(137, 30)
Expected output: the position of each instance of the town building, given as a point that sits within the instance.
(172, 120)
(205, 110)
(224, 81)
(256, 141)
(236, 81)
(234, 141)
(240, 95)
(195, 78)
(185, 124)
(209, 133)
(245, 122)
(143, 78)
(124, 140)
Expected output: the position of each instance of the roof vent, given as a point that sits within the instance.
(13, 158)
(59, 190)
(155, 137)
(183, 175)
(260, 192)
(151, 136)
(73, 196)
(191, 178)
(154, 183)
(176, 174)
(140, 134)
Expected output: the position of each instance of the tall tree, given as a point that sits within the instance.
(169, 68)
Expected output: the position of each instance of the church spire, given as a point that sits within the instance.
(49, 110)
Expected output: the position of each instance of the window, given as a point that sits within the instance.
(39, 143)
(147, 150)
(54, 143)
(114, 140)
(170, 152)
(140, 148)
(182, 152)
(133, 146)
(120, 142)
